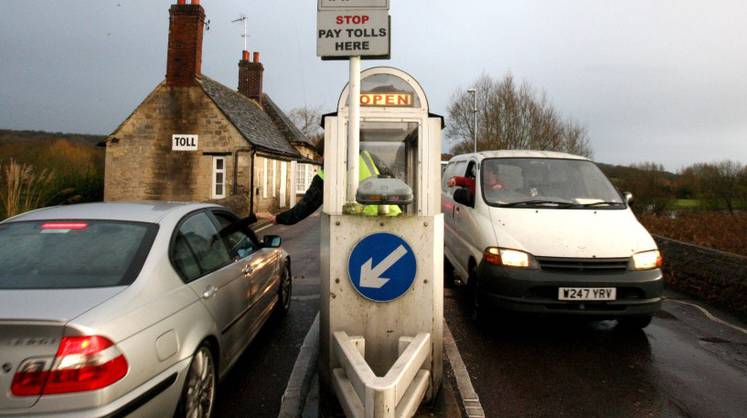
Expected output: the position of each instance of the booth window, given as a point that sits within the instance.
(219, 177)
(393, 146)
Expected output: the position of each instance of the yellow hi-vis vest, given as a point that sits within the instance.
(366, 169)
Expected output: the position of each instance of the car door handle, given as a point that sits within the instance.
(248, 270)
(209, 292)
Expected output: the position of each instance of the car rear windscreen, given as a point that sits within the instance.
(72, 254)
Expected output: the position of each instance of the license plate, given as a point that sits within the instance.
(587, 293)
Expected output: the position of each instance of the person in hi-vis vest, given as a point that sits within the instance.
(314, 197)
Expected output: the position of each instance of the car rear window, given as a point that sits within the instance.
(72, 254)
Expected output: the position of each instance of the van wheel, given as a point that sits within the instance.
(198, 395)
(448, 274)
(478, 311)
(634, 322)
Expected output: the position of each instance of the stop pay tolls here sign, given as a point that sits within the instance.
(362, 33)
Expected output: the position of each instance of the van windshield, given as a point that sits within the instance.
(545, 182)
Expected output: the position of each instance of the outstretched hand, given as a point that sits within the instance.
(267, 216)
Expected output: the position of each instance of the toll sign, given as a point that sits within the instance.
(181, 142)
(351, 33)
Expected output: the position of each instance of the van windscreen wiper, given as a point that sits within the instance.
(538, 202)
(595, 204)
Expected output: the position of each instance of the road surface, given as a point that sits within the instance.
(683, 364)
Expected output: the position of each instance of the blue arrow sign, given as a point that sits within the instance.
(382, 267)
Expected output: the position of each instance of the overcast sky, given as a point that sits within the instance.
(661, 80)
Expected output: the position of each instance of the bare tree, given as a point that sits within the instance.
(308, 120)
(512, 116)
(721, 182)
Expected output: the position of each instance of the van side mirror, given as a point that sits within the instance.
(464, 197)
(271, 241)
(628, 198)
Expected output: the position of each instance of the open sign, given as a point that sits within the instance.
(386, 99)
(181, 142)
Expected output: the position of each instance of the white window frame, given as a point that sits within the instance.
(283, 184)
(215, 183)
(274, 178)
(305, 174)
(264, 179)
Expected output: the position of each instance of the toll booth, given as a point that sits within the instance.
(382, 274)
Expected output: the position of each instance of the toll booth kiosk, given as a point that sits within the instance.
(382, 276)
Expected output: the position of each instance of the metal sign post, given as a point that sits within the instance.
(353, 29)
(354, 129)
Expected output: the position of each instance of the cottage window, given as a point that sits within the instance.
(264, 179)
(304, 176)
(274, 178)
(219, 177)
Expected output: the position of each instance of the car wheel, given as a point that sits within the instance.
(285, 292)
(198, 395)
(634, 322)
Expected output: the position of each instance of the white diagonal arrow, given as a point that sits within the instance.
(371, 277)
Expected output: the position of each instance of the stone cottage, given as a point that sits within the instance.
(194, 139)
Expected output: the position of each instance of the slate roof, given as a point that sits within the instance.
(250, 119)
(289, 129)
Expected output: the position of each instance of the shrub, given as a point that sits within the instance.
(23, 187)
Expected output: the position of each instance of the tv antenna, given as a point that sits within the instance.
(245, 34)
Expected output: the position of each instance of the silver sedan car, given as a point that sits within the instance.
(130, 309)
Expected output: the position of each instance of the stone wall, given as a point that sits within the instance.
(140, 164)
(713, 276)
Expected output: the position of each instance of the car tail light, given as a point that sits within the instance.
(81, 364)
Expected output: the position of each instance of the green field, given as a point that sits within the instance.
(687, 204)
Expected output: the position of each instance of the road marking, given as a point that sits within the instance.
(709, 315)
(299, 383)
(263, 228)
(470, 400)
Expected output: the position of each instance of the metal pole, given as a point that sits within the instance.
(474, 110)
(354, 131)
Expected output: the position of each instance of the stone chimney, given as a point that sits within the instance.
(184, 62)
(250, 77)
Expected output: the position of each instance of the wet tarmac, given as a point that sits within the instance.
(683, 364)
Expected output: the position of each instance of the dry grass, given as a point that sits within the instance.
(23, 188)
(713, 229)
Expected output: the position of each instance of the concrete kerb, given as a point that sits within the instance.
(304, 369)
(467, 393)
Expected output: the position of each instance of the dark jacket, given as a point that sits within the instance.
(312, 200)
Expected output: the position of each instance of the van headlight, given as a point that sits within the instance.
(647, 260)
(509, 258)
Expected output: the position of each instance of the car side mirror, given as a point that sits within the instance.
(628, 198)
(271, 241)
(463, 196)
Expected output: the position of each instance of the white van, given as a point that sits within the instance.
(546, 232)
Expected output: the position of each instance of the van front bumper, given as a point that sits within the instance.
(639, 293)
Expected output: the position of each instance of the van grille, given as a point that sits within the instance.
(583, 265)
